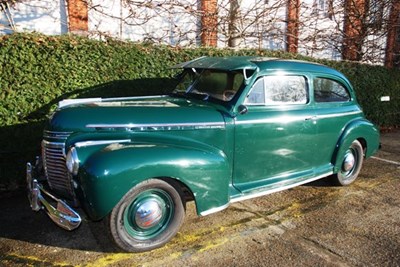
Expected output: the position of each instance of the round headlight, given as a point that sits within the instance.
(72, 161)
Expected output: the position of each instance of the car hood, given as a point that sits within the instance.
(155, 113)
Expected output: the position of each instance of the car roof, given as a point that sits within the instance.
(256, 62)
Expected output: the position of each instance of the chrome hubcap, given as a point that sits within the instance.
(348, 162)
(148, 214)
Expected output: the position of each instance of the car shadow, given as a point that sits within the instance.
(323, 182)
(19, 222)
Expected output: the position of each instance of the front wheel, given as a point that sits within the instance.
(351, 164)
(147, 217)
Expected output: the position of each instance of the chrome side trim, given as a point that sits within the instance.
(278, 189)
(281, 119)
(100, 142)
(214, 210)
(288, 119)
(63, 215)
(338, 114)
(160, 126)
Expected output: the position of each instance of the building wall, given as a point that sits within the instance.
(320, 30)
(254, 24)
(261, 24)
(45, 16)
(159, 22)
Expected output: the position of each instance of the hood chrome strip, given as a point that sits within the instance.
(69, 102)
(101, 142)
(160, 126)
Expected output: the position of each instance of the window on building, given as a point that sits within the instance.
(324, 8)
(375, 13)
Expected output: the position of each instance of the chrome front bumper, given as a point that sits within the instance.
(63, 215)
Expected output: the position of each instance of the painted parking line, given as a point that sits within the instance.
(386, 160)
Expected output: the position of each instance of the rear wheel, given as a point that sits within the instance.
(147, 217)
(351, 164)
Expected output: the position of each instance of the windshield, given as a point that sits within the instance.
(205, 84)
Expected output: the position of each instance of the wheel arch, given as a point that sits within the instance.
(186, 192)
(363, 143)
(363, 131)
(107, 175)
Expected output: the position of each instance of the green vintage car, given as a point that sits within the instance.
(233, 129)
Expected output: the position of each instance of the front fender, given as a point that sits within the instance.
(108, 174)
(360, 129)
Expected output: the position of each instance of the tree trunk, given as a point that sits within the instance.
(354, 29)
(392, 45)
(234, 24)
(292, 28)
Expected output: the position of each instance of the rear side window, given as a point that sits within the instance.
(277, 90)
(327, 90)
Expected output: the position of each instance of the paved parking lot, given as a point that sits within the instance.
(312, 225)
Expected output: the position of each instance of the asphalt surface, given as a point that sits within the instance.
(312, 225)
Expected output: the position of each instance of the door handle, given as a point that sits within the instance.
(311, 118)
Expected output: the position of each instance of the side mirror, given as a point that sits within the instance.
(242, 109)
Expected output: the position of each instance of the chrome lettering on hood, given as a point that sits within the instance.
(135, 104)
(159, 126)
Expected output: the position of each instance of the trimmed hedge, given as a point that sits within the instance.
(36, 71)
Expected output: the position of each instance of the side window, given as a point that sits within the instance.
(276, 90)
(326, 90)
(257, 94)
(285, 90)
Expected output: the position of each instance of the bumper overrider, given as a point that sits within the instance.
(60, 213)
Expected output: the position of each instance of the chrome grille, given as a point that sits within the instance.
(54, 161)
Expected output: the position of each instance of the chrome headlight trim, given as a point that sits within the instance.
(72, 161)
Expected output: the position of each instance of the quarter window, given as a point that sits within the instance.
(326, 90)
(276, 90)
(257, 95)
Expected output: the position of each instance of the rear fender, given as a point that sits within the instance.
(359, 129)
(107, 174)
